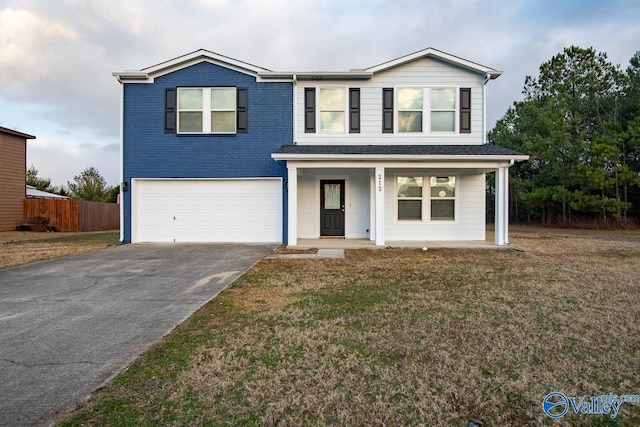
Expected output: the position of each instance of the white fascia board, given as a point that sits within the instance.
(320, 75)
(131, 77)
(479, 166)
(396, 157)
(430, 52)
(178, 62)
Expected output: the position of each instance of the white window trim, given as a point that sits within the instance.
(426, 200)
(426, 111)
(454, 198)
(345, 109)
(206, 111)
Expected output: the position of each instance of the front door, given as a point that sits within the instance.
(332, 207)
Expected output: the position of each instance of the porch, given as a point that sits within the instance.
(399, 196)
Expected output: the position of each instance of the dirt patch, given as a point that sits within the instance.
(282, 249)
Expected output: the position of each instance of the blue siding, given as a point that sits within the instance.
(150, 153)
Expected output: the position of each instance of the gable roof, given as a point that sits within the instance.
(437, 54)
(16, 133)
(396, 152)
(146, 75)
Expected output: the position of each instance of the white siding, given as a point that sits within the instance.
(426, 72)
(356, 201)
(470, 209)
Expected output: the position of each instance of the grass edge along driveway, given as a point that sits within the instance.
(399, 337)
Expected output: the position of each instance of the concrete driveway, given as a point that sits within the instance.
(68, 325)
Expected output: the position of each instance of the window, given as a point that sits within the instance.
(433, 109)
(443, 110)
(332, 105)
(223, 110)
(410, 109)
(443, 198)
(207, 110)
(409, 198)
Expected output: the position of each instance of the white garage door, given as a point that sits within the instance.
(184, 210)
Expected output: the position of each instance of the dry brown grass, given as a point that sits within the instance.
(401, 337)
(23, 247)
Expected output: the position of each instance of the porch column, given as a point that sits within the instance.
(292, 206)
(379, 190)
(502, 206)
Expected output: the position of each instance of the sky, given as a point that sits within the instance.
(57, 56)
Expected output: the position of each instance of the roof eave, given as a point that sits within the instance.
(130, 76)
(319, 75)
(16, 133)
(149, 73)
(400, 157)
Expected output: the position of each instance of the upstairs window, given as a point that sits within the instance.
(410, 103)
(332, 109)
(443, 110)
(207, 110)
(423, 110)
(331, 104)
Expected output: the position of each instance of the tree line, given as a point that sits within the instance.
(580, 123)
(89, 185)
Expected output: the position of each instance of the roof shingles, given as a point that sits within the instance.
(391, 150)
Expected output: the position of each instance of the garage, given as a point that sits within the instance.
(207, 210)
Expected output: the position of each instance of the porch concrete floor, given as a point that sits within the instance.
(368, 244)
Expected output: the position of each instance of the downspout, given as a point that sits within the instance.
(295, 110)
(122, 183)
(487, 77)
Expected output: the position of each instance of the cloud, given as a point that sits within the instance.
(57, 57)
(61, 160)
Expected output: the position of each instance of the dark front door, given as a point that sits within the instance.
(332, 207)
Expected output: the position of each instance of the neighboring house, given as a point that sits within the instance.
(34, 193)
(13, 170)
(395, 152)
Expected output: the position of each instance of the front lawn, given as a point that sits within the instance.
(24, 247)
(400, 337)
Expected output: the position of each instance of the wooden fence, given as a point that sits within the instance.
(74, 215)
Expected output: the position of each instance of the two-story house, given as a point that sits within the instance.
(215, 149)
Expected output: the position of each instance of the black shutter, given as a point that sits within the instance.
(354, 110)
(309, 110)
(387, 110)
(465, 110)
(242, 108)
(170, 110)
